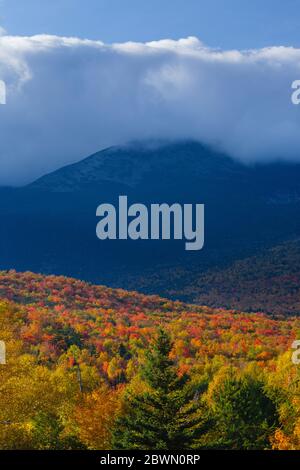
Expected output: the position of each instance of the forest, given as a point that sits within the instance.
(89, 367)
(268, 281)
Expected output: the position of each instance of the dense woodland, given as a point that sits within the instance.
(268, 282)
(90, 367)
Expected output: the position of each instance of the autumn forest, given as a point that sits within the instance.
(89, 367)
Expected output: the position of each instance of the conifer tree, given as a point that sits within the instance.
(168, 415)
(245, 416)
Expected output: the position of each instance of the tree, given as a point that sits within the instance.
(165, 416)
(94, 417)
(245, 416)
(48, 433)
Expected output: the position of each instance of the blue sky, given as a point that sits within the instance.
(219, 23)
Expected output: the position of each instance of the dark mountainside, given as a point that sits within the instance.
(49, 226)
(267, 282)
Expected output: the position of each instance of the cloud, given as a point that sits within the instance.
(68, 97)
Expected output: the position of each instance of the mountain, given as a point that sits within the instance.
(137, 165)
(49, 225)
(266, 282)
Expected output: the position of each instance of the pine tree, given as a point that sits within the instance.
(245, 416)
(48, 434)
(168, 416)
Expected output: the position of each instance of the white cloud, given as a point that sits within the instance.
(68, 97)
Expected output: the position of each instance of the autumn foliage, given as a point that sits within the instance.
(74, 350)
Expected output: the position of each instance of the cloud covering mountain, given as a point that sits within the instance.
(69, 97)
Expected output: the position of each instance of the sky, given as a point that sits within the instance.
(227, 24)
(82, 79)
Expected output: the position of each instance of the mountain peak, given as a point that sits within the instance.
(132, 164)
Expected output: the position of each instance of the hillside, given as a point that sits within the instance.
(92, 314)
(73, 350)
(57, 309)
(266, 282)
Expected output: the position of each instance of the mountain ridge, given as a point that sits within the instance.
(50, 226)
(130, 164)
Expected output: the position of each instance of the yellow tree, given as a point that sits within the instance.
(95, 416)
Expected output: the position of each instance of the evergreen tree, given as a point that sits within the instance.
(48, 434)
(245, 416)
(168, 416)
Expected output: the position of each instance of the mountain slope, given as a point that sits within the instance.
(49, 226)
(266, 282)
(136, 165)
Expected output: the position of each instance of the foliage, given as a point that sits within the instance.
(75, 350)
(245, 417)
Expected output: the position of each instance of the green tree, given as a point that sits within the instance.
(48, 433)
(165, 416)
(245, 417)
